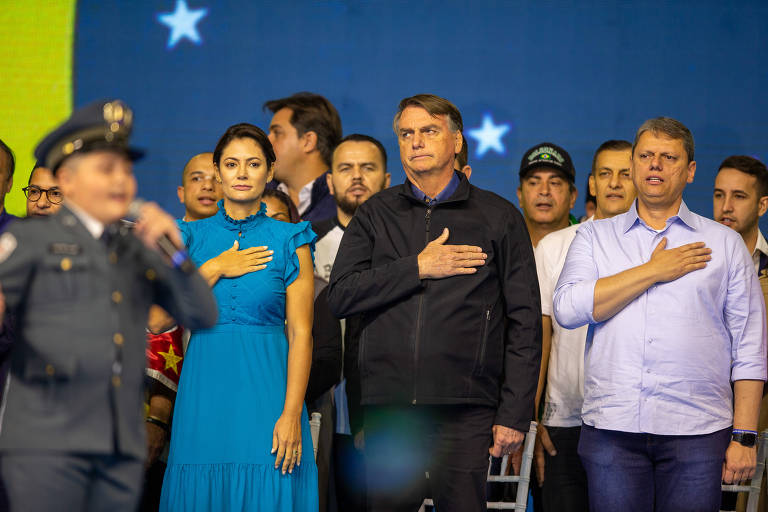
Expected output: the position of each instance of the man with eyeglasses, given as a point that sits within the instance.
(43, 194)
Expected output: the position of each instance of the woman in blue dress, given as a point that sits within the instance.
(241, 437)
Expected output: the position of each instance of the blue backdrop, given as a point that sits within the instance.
(573, 73)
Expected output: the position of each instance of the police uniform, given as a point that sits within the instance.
(72, 435)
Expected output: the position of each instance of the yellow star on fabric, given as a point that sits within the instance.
(171, 359)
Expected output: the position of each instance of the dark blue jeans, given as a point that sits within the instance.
(631, 472)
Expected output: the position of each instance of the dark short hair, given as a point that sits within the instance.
(751, 166)
(34, 168)
(245, 131)
(312, 113)
(462, 159)
(435, 106)
(610, 145)
(672, 128)
(11, 157)
(281, 196)
(358, 137)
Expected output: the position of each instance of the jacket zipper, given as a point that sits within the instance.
(484, 342)
(427, 219)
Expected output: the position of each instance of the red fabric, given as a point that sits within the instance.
(165, 356)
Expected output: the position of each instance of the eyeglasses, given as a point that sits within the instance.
(34, 193)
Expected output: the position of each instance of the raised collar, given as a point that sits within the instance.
(460, 193)
(441, 196)
(240, 224)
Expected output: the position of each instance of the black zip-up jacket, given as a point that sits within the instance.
(468, 339)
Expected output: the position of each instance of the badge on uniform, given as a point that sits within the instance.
(64, 249)
(8, 244)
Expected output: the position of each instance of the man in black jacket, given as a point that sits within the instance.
(450, 347)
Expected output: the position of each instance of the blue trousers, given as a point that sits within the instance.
(631, 472)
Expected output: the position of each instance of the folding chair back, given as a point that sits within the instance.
(523, 480)
(314, 428)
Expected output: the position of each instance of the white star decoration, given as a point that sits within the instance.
(183, 23)
(489, 136)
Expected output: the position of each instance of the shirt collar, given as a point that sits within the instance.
(761, 245)
(760, 254)
(94, 227)
(444, 194)
(305, 195)
(684, 215)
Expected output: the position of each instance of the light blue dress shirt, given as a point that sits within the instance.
(664, 363)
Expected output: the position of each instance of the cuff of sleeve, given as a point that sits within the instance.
(748, 372)
(411, 265)
(509, 422)
(576, 306)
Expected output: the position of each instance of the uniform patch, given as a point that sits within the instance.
(8, 244)
(64, 249)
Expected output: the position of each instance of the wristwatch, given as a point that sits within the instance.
(747, 439)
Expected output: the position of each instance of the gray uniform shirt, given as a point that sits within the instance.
(81, 306)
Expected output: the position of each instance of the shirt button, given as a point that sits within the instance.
(150, 274)
(117, 297)
(116, 381)
(648, 370)
(50, 370)
(118, 339)
(650, 340)
(113, 257)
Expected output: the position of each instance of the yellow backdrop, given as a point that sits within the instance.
(36, 47)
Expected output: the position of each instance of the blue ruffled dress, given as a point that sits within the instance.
(232, 388)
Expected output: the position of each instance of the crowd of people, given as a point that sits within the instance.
(159, 364)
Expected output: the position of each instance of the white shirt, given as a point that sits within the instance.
(565, 374)
(93, 226)
(305, 195)
(326, 249)
(760, 247)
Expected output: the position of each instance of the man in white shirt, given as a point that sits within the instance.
(358, 171)
(547, 191)
(558, 467)
(740, 199)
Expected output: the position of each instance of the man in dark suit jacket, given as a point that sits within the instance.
(80, 285)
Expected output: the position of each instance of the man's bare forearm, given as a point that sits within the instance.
(746, 403)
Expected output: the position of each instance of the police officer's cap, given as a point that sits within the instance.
(104, 124)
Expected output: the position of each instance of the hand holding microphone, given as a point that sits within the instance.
(158, 231)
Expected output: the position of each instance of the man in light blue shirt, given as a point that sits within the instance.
(676, 314)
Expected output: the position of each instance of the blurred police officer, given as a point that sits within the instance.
(72, 435)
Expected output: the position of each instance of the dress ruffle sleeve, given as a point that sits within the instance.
(301, 234)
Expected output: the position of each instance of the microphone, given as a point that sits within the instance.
(178, 256)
